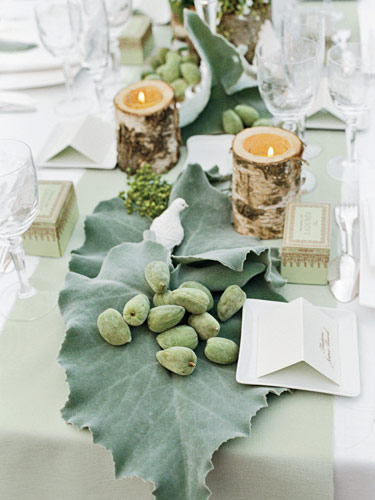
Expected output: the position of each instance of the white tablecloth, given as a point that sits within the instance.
(354, 421)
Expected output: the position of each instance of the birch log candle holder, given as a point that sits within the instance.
(147, 126)
(266, 177)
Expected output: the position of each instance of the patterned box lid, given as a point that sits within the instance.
(307, 225)
(53, 196)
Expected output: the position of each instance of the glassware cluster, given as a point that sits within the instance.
(83, 33)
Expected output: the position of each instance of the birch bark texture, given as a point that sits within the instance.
(263, 186)
(147, 134)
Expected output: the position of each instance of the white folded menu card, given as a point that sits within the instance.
(299, 346)
(298, 333)
(86, 143)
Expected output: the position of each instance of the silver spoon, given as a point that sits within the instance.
(343, 272)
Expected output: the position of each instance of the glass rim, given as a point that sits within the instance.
(338, 48)
(302, 61)
(3, 140)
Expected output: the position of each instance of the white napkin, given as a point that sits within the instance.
(16, 101)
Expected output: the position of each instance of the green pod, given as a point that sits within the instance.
(263, 122)
(113, 328)
(163, 299)
(231, 301)
(191, 73)
(173, 57)
(179, 87)
(199, 286)
(152, 76)
(193, 300)
(190, 58)
(163, 318)
(154, 61)
(162, 54)
(221, 351)
(232, 123)
(247, 114)
(136, 310)
(169, 71)
(179, 360)
(157, 276)
(145, 73)
(205, 325)
(183, 336)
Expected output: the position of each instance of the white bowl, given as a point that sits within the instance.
(196, 98)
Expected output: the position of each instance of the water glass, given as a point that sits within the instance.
(59, 27)
(95, 43)
(118, 14)
(307, 23)
(288, 77)
(18, 208)
(351, 83)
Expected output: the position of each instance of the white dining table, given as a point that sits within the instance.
(354, 418)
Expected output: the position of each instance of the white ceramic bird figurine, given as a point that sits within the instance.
(167, 227)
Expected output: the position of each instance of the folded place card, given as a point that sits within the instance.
(323, 114)
(307, 347)
(88, 142)
(298, 333)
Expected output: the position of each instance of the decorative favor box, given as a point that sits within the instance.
(136, 42)
(306, 243)
(58, 213)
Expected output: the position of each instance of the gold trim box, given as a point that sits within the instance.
(136, 42)
(306, 243)
(58, 213)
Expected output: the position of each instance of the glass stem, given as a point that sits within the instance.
(69, 79)
(351, 135)
(115, 58)
(207, 11)
(301, 127)
(98, 83)
(290, 125)
(18, 255)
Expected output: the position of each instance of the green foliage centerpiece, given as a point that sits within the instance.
(159, 426)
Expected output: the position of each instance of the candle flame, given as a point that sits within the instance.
(270, 152)
(141, 97)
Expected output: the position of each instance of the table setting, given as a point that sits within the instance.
(187, 250)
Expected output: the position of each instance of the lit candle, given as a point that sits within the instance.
(147, 121)
(266, 176)
(266, 145)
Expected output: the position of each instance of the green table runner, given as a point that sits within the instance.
(291, 447)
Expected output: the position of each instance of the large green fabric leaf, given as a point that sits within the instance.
(159, 426)
(209, 234)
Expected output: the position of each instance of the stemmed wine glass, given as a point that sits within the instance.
(95, 43)
(351, 83)
(288, 77)
(59, 26)
(18, 209)
(310, 24)
(118, 13)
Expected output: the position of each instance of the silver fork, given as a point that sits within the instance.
(343, 271)
(347, 214)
